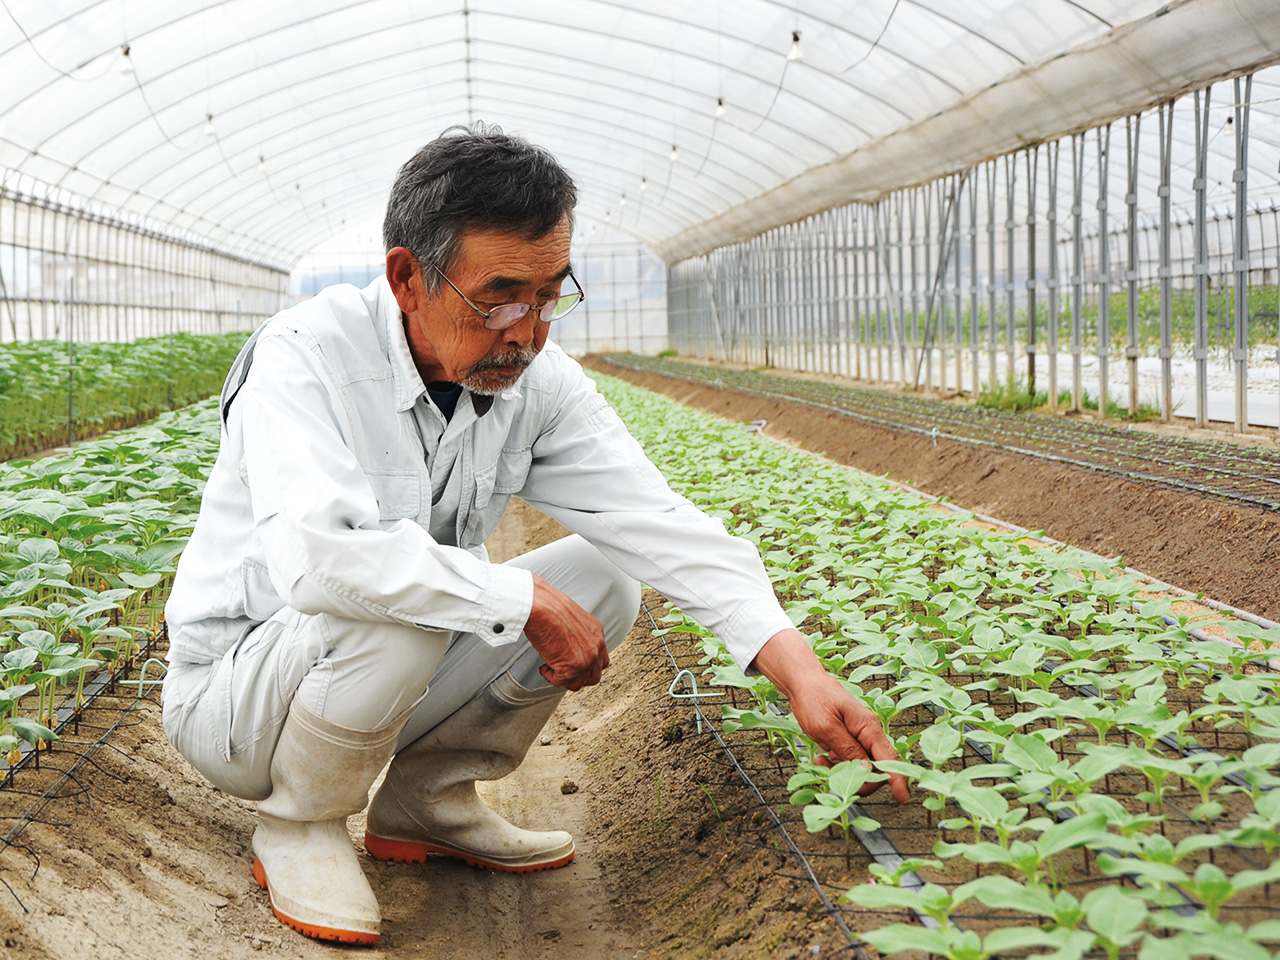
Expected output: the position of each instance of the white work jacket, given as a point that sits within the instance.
(321, 498)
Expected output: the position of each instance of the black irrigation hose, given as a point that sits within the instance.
(934, 434)
(831, 908)
(31, 814)
(68, 714)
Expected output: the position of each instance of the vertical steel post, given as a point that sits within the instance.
(1104, 267)
(942, 294)
(1132, 129)
(958, 305)
(1010, 268)
(1077, 270)
(873, 270)
(912, 339)
(71, 362)
(1240, 251)
(1033, 177)
(1053, 282)
(975, 330)
(992, 378)
(1165, 272)
(1200, 350)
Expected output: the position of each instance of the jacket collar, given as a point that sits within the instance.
(408, 382)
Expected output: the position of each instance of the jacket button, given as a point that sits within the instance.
(498, 628)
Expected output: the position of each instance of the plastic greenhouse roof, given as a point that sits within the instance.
(267, 127)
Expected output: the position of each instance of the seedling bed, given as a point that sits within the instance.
(89, 542)
(1033, 692)
(1241, 474)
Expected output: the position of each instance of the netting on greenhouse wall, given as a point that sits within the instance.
(72, 270)
(1138, 260)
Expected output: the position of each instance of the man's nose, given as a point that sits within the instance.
(521, 332)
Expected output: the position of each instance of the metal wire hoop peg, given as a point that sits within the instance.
(694, 695)
(142, 681)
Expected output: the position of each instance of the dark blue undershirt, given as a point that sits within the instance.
(445, 396)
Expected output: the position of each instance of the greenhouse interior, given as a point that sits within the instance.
(944, 333)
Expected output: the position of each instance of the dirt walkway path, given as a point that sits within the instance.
(153, 862)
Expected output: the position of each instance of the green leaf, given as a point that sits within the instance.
(1029, 752)
(31, 731)
(1005, 893)
(38, 550)
(1113, 914)
(881, 897)
(143, 581)
(1076, 832)
(898, 937)
(1017, 938)
(940, 743)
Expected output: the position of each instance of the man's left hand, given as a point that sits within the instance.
(840, 723)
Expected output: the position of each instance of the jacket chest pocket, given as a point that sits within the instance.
(399, 494)
(494, 486)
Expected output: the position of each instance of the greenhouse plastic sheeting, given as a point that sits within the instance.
(267, 127)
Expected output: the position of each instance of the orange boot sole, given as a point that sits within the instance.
(409, 851)
(308, 929)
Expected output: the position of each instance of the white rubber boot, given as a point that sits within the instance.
(320, 773)
(428, 802)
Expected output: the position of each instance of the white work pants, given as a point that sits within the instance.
(226, 717)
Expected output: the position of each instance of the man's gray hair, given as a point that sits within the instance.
(474, 178)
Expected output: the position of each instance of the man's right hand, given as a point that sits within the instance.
(570, 640)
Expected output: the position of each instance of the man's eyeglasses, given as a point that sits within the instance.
(501, 317)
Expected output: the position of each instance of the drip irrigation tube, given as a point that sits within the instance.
(830, 908)
(68, 713)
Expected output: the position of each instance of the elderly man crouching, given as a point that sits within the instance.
(336, 608)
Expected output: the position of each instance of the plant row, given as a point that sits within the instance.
(1211, 466)
(111, 385)
(89, 542)
(1097, 772)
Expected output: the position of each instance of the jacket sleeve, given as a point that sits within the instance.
(318, 518)
(589, 473)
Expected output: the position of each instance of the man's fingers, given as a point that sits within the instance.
(882, 749)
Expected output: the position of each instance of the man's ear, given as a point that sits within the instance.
(401, 268)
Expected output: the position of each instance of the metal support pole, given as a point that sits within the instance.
(1240, 251)
(958, 279)
(1052, 282)
(1166, 272)
(1033, 176)
(1104, 267)
(1132, 128)
(1010, 290)
(1077, 274)
(975, 332)
(1200, 350)
(992, 379)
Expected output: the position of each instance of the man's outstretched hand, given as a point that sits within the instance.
(839, 722)
(570, 640)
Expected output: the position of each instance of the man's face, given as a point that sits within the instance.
(448, 339)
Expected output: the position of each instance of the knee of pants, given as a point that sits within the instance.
(371, 671)
(618, 607)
